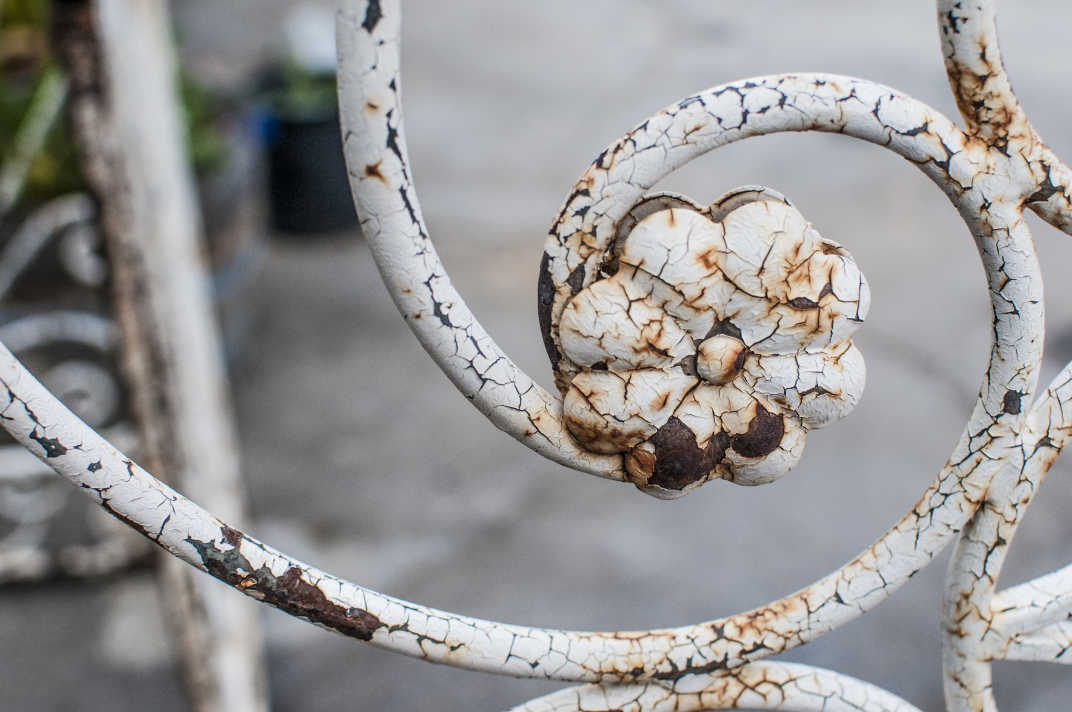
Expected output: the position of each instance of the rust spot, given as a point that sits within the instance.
(803, 303)
(738, 363)
(371, 107)
(660, 401)
(830, 249)
(576, 279)
(640, 463)
(231, 536)
(300, 598)
(763, 436)
(724, 326)
(592, 435)
(373, 171)
(289, 592)
(679, 461)
(709, 259)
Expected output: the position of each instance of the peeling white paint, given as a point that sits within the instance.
(619, 298)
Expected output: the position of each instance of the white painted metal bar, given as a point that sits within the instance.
(990, 172)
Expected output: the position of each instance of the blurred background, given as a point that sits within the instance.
(362, 459)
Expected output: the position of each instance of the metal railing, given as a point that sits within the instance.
(689, 343)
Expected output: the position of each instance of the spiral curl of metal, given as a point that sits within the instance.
(991, 171)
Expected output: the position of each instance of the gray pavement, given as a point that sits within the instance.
(362, 459)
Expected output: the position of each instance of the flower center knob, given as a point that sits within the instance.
(710, 342)
(720, 358)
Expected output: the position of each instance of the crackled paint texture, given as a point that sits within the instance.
(715, 339)
(991, 170)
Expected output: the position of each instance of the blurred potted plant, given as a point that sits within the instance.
(39, 164)
(54, 302)
(308, 187)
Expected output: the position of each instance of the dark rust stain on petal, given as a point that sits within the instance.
(724, 326)
(679, 461)
(803, 303)
(576, 279)
(763, 436)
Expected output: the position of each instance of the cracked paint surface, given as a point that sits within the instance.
(757, 686)
(990, 172)
(710, 347)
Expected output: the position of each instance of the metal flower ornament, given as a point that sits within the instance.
(713, 341)
(690, 343)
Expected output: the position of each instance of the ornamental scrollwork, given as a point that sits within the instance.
(992, 168)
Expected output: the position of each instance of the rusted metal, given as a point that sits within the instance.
(635, 342)
(714, 346)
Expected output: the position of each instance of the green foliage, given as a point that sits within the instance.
(55, 169)
(25, 61)
(25, 66)
(297, 93)
(24, 12)
(205, 141)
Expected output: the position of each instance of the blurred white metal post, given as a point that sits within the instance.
(127, 119)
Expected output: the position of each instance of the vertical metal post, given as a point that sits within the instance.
(127, 119)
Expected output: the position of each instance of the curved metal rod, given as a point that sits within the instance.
(37, 230)
(977, 74)
(383, 190)
(979, 624)
(1033, 605)
(789, 687)
(833, 103)
(1049, 644)
(990, 108)
(63, 325)
(1027, 621)
(985, 185)
(392, 224)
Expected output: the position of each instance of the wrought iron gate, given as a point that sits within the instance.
(690, 342)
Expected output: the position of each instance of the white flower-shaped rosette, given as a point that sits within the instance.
(715, 345)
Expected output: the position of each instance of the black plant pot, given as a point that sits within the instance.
(307, 185)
